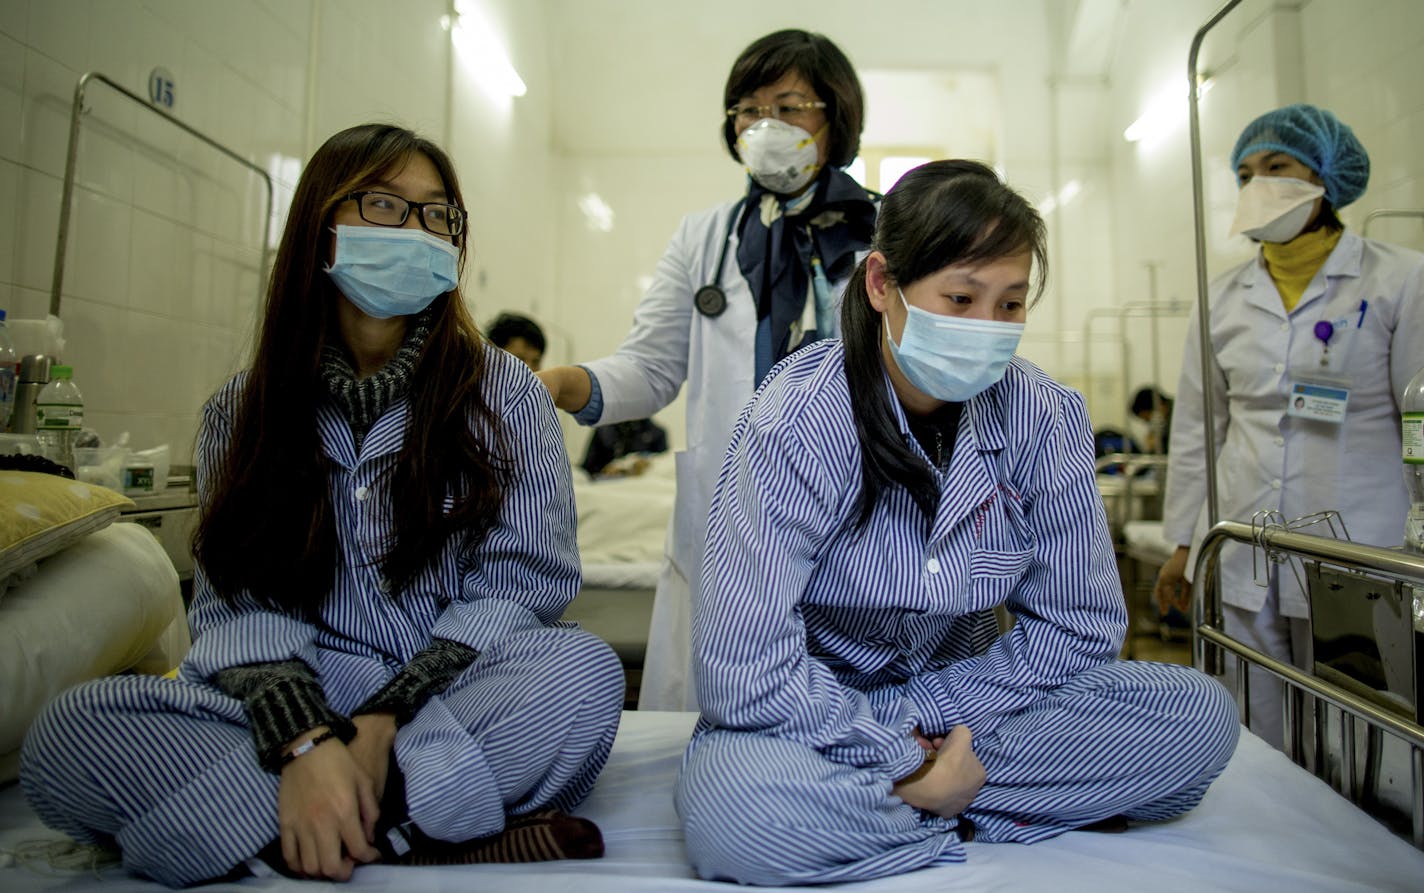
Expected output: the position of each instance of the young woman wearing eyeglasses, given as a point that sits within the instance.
(385, 546)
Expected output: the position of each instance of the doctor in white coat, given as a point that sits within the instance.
(1313, 341)
(740, 287)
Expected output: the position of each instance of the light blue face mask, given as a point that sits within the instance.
(951, 358)
(390, 272)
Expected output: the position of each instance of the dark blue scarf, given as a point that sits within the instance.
(776, 249)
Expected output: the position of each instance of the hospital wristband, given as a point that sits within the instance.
(307, 747)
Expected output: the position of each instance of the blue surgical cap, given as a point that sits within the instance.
(1315, 138)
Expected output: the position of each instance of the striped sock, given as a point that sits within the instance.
(536, 837)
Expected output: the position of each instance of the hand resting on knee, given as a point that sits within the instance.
(948, 780)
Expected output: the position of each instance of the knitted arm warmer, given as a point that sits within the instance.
(428, 673)
(282, 701)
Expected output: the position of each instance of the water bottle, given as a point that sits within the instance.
(1412, 425)
(59, 414)
(9, 370)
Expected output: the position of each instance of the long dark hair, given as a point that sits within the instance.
(267, 528)
(940, 213)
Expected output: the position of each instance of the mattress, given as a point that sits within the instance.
(1265, 825)
(623, 521)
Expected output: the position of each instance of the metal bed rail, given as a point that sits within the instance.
(71, 165)
(1388, 212)
(1125, 501)
(1152, 310)
(1210, 641)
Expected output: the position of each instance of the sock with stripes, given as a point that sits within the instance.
(536, 837)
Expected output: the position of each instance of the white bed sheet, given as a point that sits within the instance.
(1265, 825)
(1144, 540)
(623, 521)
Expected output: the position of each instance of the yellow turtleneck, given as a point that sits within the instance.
(1293, 264)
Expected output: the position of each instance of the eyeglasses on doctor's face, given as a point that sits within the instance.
(790, 112)
(384, 209)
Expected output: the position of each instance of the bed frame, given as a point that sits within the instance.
(1313, 704)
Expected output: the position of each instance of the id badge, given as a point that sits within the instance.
(1321, 401)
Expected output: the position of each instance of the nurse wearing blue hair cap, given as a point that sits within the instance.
(1313, 341)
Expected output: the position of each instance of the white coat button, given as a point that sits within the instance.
(1280, 367)
(1280, 441)
(1284, 326)
(932, 565)
(1276, 484)
(361, 494)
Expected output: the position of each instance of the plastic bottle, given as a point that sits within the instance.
(1412, 425)
(9, 370)
(59, 414)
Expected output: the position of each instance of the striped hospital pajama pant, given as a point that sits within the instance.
(1139, 739)
(167, 769)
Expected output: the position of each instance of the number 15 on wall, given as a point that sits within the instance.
(161, 88)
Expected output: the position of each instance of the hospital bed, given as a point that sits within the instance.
(1132, 498)
(1266, 824)
(622, 528)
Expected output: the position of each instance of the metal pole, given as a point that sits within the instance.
(72, 161)
(1199, 219)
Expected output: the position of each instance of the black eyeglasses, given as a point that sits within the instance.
(384, 209)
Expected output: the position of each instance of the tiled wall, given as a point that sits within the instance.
(165, 253)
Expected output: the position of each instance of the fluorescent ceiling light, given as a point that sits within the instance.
(1065, 195)
(596, 212)
(483, 50)
(1162, 114)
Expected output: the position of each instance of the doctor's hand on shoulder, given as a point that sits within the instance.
(570, 386)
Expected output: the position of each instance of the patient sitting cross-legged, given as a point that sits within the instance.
(879, 494)
(386, 544)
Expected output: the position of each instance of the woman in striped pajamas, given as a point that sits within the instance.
(877, 492)
(386, 545)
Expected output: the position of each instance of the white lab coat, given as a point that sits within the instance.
(671, 342)
(1269, 460)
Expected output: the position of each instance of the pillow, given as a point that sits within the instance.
(40, 514)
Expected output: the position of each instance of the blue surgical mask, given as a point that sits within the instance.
(390, 272)
(952, 358)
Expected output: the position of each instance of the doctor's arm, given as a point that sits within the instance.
(1186, 468)
(776, 507)
(648, 369)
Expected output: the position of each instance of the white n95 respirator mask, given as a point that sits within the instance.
(389, 272)
(1274, 209)
(780, 156)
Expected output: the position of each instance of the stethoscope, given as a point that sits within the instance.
(710, 300)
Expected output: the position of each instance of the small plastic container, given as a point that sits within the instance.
(146, 471)
(103, 466)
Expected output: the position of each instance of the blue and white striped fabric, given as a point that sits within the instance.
(167, 767)
(820, 648)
